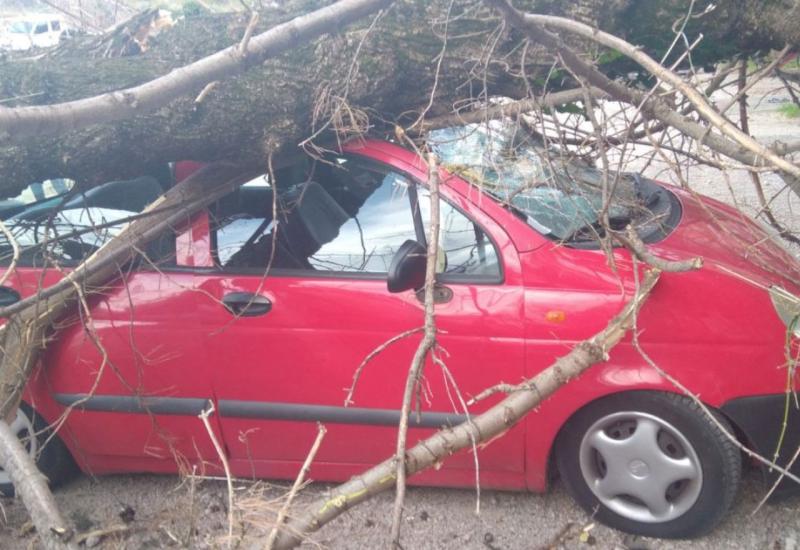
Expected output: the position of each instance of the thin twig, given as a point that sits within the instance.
(298, 482)
(205, 91)
(348, 400)
(755, 178)
(16, 252)
(221, 453)
(248, 32)
(633, 243)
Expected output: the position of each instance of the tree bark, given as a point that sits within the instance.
(277, 104)
(31, 485)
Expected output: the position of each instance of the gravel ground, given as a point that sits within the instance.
(167, 511)
(173, 512)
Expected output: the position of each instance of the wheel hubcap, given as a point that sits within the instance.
(641, 467)
(22, 427)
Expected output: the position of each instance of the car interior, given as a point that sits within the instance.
(310, 214)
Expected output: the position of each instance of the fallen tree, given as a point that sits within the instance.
(382, 69)
(329, 88)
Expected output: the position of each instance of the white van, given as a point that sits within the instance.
(39, 31)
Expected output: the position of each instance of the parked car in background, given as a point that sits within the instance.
(33, 31)
(268, 318)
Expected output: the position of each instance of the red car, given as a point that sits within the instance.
(521, 280)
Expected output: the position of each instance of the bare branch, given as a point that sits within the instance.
(32, 487)
(425, 346)
(736, 145)
(298, 482)
(22, 122)
(203, 416)
(510, 110)
(633, 243)
(248, 33)
(534, 23)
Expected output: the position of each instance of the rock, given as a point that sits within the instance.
(127, 514)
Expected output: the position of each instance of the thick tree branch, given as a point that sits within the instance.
(20, 122)
(510, 110)
(31, 485)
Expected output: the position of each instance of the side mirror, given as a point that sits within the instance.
(407, 270)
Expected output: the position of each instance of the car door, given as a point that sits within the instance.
(292, 311)
(127, 371)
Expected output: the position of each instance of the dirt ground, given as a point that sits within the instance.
(165, 511)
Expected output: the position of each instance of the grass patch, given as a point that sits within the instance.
(789, 110)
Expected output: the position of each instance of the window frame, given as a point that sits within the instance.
(419, 229)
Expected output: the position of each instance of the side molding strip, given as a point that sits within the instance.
(301, 412)
(261, 410)
(133, 404)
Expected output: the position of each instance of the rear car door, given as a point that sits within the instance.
(127, 371)
(292, 309)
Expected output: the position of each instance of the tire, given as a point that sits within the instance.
(51, 457)
(607, 455)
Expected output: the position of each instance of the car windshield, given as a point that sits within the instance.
(560, 195)
(20, 27)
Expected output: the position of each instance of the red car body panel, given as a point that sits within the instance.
(168, 335)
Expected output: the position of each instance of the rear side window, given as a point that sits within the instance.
(68, 227)
(344, 215)
(40, 28)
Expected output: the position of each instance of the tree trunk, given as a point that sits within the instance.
(385, 69)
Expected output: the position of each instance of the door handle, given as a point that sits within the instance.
(247, 304)
(8, 296)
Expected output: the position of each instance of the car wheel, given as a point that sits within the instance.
(52, 457)
(649, 463)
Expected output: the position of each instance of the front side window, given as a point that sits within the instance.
(343, 215)
(465, 251)
(340, 216)
(41, 28)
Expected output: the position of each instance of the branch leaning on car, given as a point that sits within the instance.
(730, 141)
